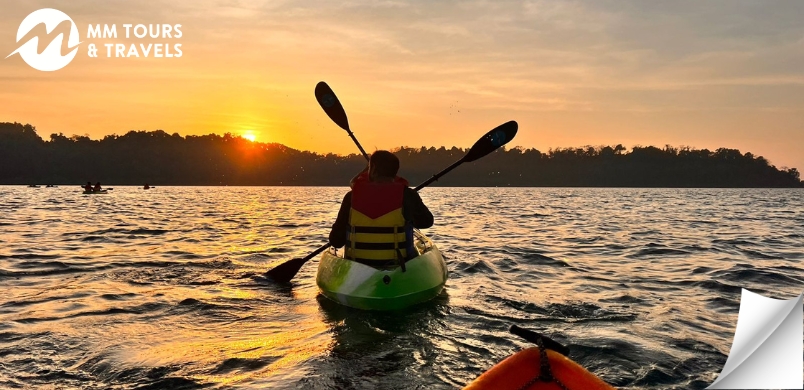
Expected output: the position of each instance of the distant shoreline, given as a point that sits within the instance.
(160, 159)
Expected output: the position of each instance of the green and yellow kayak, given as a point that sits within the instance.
(367, 287)
(94, 192)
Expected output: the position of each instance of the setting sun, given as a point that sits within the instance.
(249, 136)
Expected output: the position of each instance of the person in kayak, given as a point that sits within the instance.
(97, 187)
(376, 219)
(88, 187)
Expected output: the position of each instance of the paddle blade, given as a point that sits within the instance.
(284, 272)
(495, 138)
(331, 105)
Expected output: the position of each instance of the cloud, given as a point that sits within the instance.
(528, 57)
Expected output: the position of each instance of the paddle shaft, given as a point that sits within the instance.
(438, 175)
(358, 144)
(316, 252)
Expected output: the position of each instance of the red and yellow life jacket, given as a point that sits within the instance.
(377, 230)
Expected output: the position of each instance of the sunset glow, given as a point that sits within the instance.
(413, 73)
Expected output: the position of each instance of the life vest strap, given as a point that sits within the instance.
(376, 246)
(372, 229)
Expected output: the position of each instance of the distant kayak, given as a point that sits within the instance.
(365, 287)
(33, 186)
(95, 192)
(523, 370)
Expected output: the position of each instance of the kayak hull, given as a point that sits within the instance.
(520, 370)
(365, 287)
(94, 192)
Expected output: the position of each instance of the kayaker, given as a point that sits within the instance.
(97, 187)
(377, 217)
(88, 187)
(146, 186)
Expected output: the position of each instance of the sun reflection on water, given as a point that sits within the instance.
(242, 353)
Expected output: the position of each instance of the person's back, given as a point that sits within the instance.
(377, 217)
(97, 187)
(88, 187)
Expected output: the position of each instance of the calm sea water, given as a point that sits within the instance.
(163, 288)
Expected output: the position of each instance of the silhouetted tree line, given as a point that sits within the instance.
(159, 158)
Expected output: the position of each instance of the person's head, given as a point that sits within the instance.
(383, 164)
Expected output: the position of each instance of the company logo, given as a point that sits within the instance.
(766, 352)
(52, 29)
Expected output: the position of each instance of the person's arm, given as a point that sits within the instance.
(415, 210)
(337, 236)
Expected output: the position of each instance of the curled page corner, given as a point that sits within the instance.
(767, 345)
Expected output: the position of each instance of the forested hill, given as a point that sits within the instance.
(159, 158)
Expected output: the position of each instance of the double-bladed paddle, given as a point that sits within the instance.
(492, 140)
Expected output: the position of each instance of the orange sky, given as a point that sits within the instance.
(704, 74)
